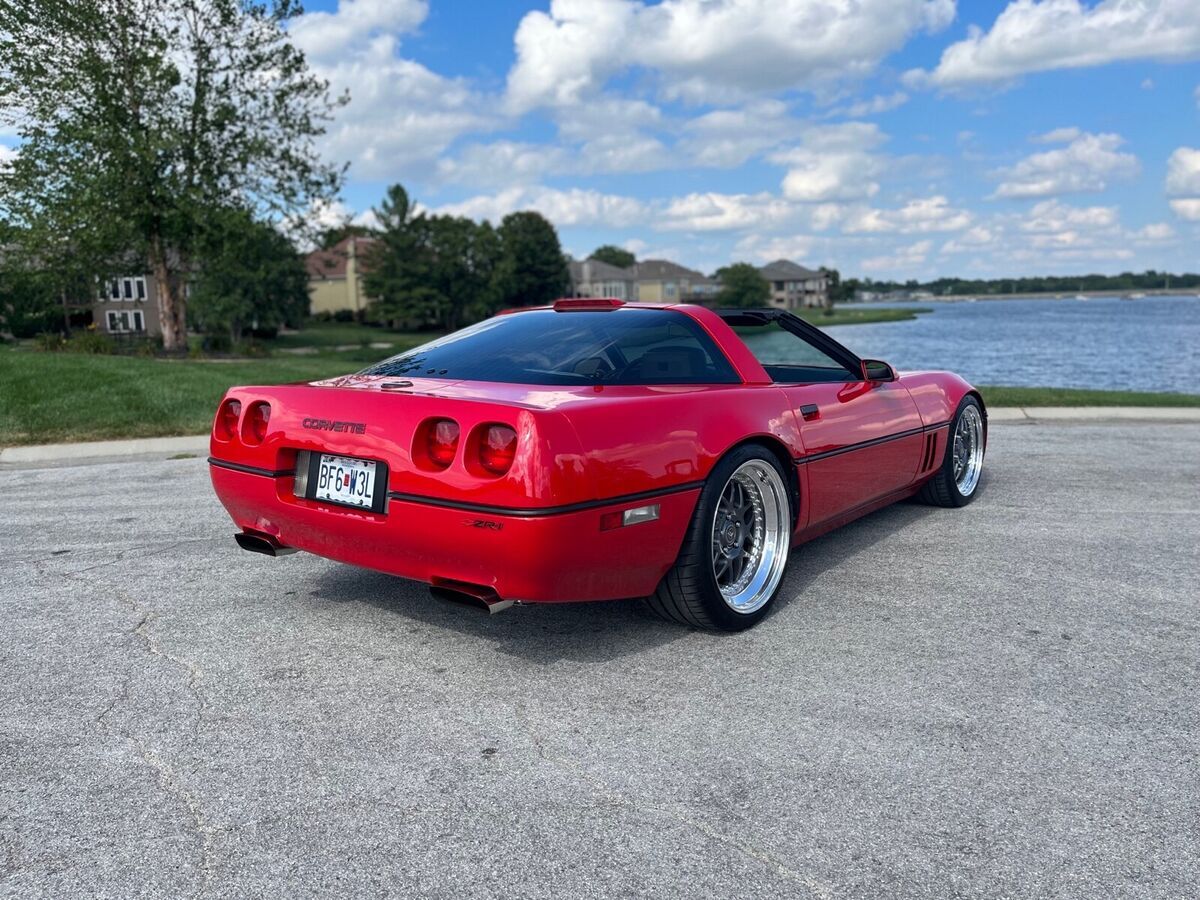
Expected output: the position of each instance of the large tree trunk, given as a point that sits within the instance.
(172, 306)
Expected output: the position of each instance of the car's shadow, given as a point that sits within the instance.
(600, 632)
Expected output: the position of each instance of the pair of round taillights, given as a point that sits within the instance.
(253, 428)
(492, 445)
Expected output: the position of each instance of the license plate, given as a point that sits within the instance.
(345, 480)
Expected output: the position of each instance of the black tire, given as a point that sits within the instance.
(688, 594)
(942, 489)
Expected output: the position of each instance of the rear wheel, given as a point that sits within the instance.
(957, 479)
(732, 561)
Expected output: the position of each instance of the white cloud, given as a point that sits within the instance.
(900, 259)
(1051, 216)
(324, 35)
(722, 212)
(726, 138)
(1183, 183)
(796, 247)
(871, 106)
(833, 163)
(562, 207)
(923, 216)
(970, 240)
(400, 114)
(1058, 136)
(708, 50)
(502, 163)
(1187, 209)
(1147, 84)
(1155, 232)
(1030, 36)
(1088, 163)
(1183, 172)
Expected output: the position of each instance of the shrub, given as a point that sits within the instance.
(344, 315)
(253, 349)
(93, 342)
(217, 342)
(49, 342)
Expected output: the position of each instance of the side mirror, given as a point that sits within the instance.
(877, 370)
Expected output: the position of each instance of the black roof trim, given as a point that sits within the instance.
(797, 326)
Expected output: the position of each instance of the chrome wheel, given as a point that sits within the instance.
(968, 450)
(751, 534)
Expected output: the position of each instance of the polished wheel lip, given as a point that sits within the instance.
(967, 449)
(750, 536)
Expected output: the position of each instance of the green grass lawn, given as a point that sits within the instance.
(1045, 396)
(334, 334)
(849, 315)
(49, 397)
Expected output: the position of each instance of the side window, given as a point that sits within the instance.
(789, 358)
(669, 353)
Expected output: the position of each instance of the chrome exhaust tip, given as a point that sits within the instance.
(261, 543)
(473, 596)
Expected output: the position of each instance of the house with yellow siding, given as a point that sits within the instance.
(335, 277)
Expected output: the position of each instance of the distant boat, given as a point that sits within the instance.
(1081, 297)
(1137, 296)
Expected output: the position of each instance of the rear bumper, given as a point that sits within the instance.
(529, 558)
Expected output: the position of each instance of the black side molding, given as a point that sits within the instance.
(532, 512)
(250, 470)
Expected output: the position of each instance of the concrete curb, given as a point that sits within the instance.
(193, 443)
(1094, 414)
(199, 443)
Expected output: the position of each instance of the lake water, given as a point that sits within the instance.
(1149, 344)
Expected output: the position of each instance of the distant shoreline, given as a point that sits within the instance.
(1192, 293)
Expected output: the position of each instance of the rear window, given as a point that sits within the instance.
(624, 346)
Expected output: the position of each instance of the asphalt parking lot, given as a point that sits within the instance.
(996, 701)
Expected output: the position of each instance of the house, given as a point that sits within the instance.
(127, 305)
(793, 286)
(335, 276)
(662, 281)
(650, 281)
(593, 278)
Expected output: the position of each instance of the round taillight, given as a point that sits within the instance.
(441, 441)
(254, 428)
(227, 419)
(497, 449)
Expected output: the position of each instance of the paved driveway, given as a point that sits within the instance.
(1001, 700)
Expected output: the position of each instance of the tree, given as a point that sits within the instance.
(398, 265)
(28, 302)
(251, 278)
(430, 270)
(742, 286)
(614, 256)
(533, 270)
(143, 121)
(330, 237)
(835, 291)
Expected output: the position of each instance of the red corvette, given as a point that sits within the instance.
(595, 450)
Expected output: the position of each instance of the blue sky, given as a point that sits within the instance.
(887, 138)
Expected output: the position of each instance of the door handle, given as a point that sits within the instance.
(810, 412)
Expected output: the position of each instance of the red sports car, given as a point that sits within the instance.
(595, 450)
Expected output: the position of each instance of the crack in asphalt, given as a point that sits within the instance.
(166, 776)
(615, 796)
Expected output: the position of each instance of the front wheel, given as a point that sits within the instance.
(732, 561)
(956, 481)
